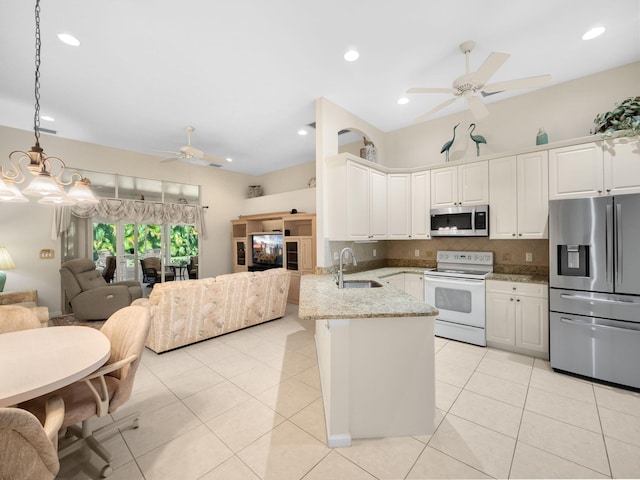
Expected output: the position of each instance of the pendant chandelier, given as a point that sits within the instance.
(44, 177)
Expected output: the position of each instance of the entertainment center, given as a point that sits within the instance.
(275, 240)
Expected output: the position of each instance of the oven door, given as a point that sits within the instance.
(459, 300)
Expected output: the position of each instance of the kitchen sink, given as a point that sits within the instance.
(361, 284)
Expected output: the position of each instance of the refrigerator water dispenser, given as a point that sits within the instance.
(573, 260)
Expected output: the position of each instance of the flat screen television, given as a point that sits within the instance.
(266, 250)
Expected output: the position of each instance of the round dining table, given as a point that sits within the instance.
(40, 360)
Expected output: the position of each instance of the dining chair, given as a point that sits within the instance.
(103, 392)
(27, 449)
(152, 271)
(109, 270)
(14, 318)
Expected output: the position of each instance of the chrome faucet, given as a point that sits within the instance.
(340, 274)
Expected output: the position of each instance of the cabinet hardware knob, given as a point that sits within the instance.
(608, 190)
(519, 234)
(599, 192)
(513, 234)
(511, 299)
(517, 300)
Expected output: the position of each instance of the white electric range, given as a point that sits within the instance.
(457, 289)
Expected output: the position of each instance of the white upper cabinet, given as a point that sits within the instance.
(377, 204)
(399, 205)
(466, 184)
(420, 205)
(533, 195)
(622, 166)
(593, 169)
(576, 171)
(357, 201)
(518, 196)
(503, 194)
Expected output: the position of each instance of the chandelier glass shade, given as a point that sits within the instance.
(45, 175)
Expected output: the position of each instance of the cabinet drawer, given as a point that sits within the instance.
(527, 289)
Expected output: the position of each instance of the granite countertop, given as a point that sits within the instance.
(320, 298)
(512, 277)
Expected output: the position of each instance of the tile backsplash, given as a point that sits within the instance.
(509, 255)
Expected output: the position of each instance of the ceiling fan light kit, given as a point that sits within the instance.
(469, 85)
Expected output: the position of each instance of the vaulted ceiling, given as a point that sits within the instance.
(246, 73)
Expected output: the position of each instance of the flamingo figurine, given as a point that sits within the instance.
(476, 138)
(445, 148)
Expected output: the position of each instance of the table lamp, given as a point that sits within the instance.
(6, 263)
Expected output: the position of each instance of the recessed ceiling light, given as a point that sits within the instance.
(302, 132)
(403, 101)
(229, 159)
(593, 33)
(351, 56)
(69, 39)
(47, 118)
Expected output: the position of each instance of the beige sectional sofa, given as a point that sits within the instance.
(193, 310)
(29, 299)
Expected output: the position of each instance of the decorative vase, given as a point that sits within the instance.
(542, 138)
(368, 152)
(255, 191)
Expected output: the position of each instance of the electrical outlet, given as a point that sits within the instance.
(335, 256)
(528, 257)
(417, 253)
(47, 254)
(374, 252)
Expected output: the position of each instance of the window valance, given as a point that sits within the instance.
(140, 211)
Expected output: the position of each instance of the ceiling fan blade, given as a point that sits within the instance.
(216, 159)
(172, 159)
(431, 90)
(519, 83)
(166, 151)
(485, 94)
(202, 162)
(477, 107)
(437, 109)
(493, 62)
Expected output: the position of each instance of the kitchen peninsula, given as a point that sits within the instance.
(375, 356)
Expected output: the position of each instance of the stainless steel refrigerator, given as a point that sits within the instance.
(594, 287)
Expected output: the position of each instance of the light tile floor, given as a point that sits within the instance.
(248, 406)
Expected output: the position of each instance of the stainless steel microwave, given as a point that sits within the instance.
(467, 221)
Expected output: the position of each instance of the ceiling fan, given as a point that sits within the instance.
(190, 154)
(468, 85)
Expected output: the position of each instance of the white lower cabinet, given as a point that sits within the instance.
(396, 280)
(411, 283)
(414, 285)
(518, 317)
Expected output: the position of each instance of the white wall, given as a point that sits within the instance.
(26, 228)
(330, 119)
(565, 111)
(287, 180)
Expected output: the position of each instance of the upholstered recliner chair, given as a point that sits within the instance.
(89, 295)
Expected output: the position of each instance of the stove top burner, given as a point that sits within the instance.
(478, 273)
(463, 264)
